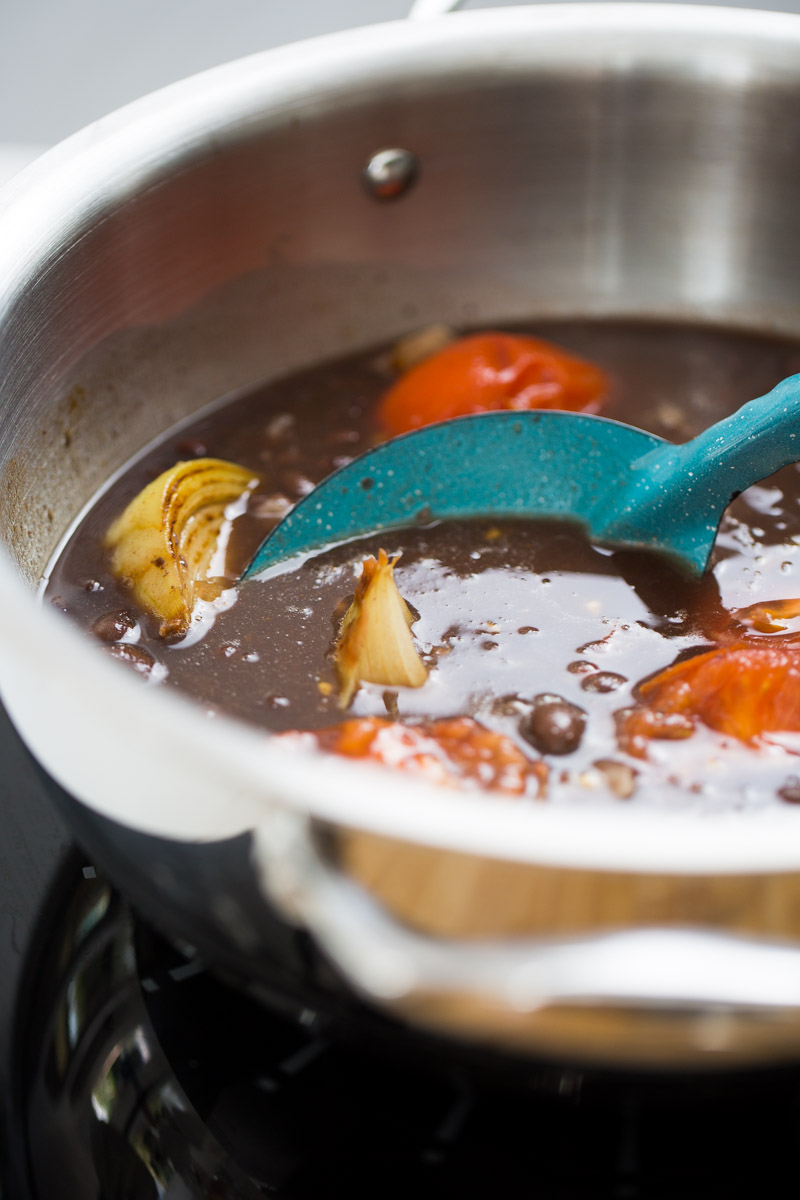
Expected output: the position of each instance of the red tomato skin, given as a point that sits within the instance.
(451, 753)
(486, 372)
(745, 690)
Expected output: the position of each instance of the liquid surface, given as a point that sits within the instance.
(513, 616)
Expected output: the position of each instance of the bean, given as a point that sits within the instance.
(581, 666)
(603, 681)
(113, 626)
(191, 448)
(554, 726)
(790, 792)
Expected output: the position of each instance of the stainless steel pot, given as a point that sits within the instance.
(587, 160)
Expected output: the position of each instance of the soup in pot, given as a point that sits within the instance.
(511, 656)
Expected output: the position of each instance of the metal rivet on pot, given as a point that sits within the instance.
(390, 173)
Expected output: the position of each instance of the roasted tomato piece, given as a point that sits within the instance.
(745, 690)
(490, 371)
(636, 727)
(768, 616)
(454, 753)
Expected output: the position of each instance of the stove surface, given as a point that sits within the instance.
(32, 845)
(138, 1074)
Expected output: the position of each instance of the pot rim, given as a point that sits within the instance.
(40, 209)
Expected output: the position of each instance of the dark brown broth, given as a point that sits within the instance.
(506, 609)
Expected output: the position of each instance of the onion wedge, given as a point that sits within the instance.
(163, 545)
(375, 643)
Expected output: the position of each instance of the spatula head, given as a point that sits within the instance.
(522, 464)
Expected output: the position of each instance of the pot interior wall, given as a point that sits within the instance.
(616, 186)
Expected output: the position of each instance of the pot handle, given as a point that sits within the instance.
(675, 968)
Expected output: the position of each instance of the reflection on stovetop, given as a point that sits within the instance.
(141, 1075)
(32, 843)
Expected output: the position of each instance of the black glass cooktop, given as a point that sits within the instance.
(32, 843)
(133, 1073)
(141, 1075)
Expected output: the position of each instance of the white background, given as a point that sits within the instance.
(65, 62)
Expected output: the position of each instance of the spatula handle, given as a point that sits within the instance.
(758, 439)
(674, 496)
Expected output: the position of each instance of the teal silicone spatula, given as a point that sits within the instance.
(624, 486)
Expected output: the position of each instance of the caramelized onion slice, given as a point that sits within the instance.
(163, 545)
(413, 349)
(375, 643)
